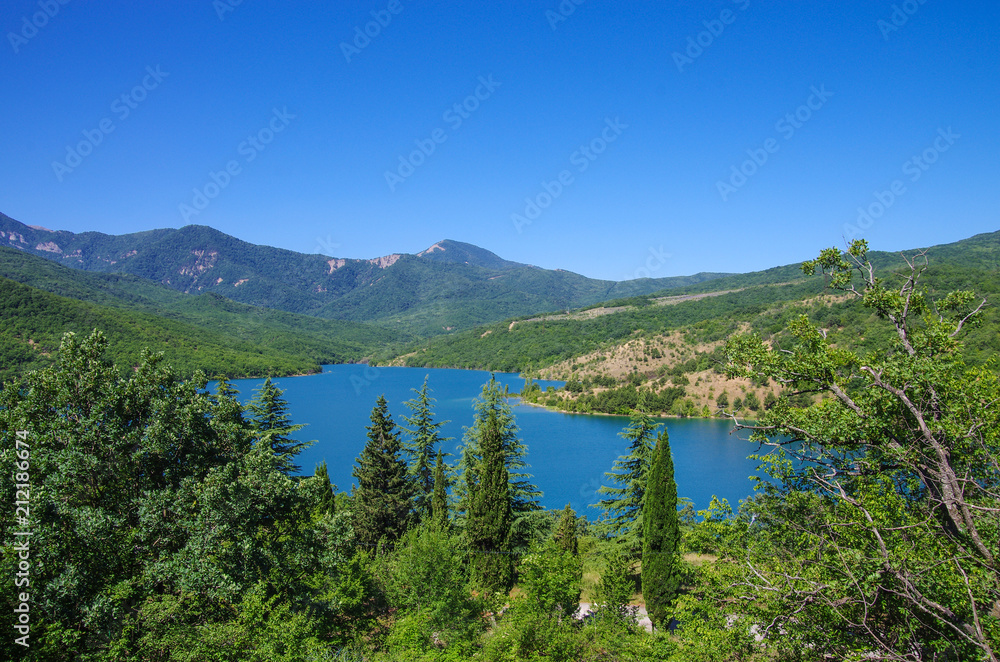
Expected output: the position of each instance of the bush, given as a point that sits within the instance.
(551, 577)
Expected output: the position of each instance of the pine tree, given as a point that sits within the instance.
(493, 405)
(623, 507)
(424, 440)
(490, 517)
(661, 536)
(383, 499)
(439, 503)
(566, 530)
(272, 424)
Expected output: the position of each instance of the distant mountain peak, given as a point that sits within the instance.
(436, 247)
(459, 252)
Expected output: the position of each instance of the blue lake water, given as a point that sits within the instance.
(568, 453)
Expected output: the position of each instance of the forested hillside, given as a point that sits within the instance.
(671, 346)
(451, 285)
(40, 300)
(174, 528)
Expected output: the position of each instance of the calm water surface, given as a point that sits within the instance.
(568, 453)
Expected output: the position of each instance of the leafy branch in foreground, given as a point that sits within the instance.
(882, 525)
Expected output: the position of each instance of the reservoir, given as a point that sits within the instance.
(568, 453)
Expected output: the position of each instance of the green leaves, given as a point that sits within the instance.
(880, 521)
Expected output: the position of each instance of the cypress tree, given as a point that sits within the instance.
(566, 530)
(382, 501)
(623, 507)
(439, 504)
(272, 424)
(424, 440)
(661, 536)
(489, 525)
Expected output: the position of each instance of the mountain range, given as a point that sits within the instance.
(450, 286)
(213, 302)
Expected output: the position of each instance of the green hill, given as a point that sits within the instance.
(451, 285)
(706, 313)
(39, 300)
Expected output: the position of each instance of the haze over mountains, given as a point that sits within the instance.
(451, 285)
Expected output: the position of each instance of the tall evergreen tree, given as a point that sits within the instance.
(272, 424)
(383, 499)
(439, 504)
(623, 507)
(661, 537)
(566, 530)
(424, 440)
(523, 493)
(488, 529)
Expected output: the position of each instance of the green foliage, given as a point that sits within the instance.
(159, 530)
(490, 514)
(623, 507)
(439, 502)
(493, 406)
(382, 502)
(880, 521)
(421, 447)
(551, 576)
(271, 423)
(661, 539)
(565, 535)
(428, 577)
(322, 491)
(194, 331)
(614, 591)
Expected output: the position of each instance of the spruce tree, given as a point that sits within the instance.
(490, 517)
(270, 421)
(383, 498)
(493, 406)
(623, 507)
(566, 530)
(439, 504)
(661, 538)
(424, 440)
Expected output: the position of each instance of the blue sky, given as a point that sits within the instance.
(611, 139)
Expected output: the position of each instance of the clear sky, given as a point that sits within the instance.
(613, 139)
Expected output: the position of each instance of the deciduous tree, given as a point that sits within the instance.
(882, 522)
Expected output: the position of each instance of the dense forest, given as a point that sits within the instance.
(41, 300)
(168, 523)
